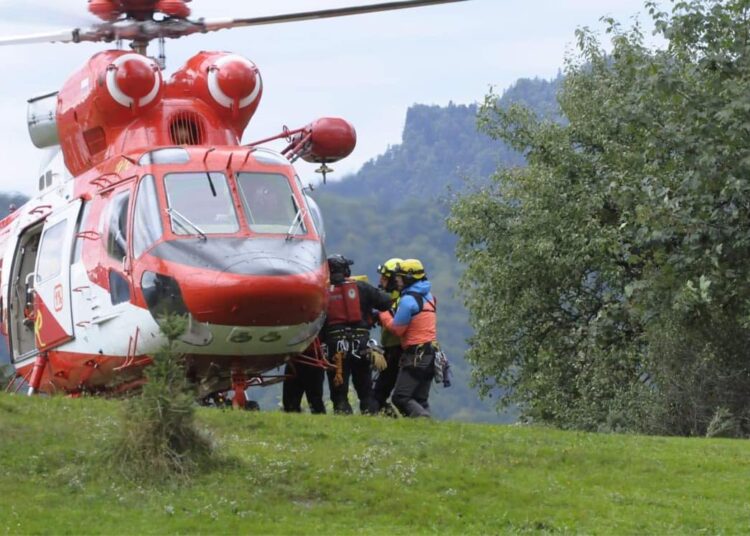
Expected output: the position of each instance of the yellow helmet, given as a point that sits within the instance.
(388, 268)
(411, 268)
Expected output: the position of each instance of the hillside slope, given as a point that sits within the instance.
(302, 474)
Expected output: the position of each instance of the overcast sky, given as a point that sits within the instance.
(368, 69)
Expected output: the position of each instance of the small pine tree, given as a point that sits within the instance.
(6, 373)
(158, 438)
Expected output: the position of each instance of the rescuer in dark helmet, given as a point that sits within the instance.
(346, 333)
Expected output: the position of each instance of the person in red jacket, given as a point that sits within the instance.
(347, 331)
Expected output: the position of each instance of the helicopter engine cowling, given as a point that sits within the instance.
(130, 84)
(331, 139)
(230, 84)
(112, 90)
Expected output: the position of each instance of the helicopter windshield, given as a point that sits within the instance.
(203, 200)
(270, 204)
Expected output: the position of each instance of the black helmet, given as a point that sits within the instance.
(339, 265)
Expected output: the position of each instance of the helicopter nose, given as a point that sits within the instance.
(287, 297)
(249, 282)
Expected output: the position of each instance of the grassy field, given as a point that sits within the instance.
(340, 475)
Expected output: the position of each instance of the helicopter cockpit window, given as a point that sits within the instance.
(315, 212)
(50, 254)
(117, 230)
(270, 204)
(200, 203)
(317, 216)
(146, 221)
(168, 155)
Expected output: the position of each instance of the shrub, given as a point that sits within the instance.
(158, 438)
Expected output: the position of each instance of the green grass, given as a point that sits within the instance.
(342, 475)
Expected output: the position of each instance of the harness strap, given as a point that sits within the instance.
(420, 301)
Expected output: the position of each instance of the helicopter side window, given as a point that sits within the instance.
(119, 290)
(50, 254)
(78, 247)
(117, 230)
(270, 204)
(200, 203)
(146, 221)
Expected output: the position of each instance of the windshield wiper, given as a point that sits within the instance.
(190, 225)
(296, 222)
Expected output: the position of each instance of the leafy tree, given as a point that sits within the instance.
(609, 281)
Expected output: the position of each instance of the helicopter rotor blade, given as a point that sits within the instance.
(59, 36)
(56, 14)
(210, 26)
(173, 27)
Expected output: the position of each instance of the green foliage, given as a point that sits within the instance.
(608, 281)
(158, 438)
(310, 474)
(6, 373)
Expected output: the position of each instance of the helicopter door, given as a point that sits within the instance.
(53, 320)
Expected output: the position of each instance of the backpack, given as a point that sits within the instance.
(343, 304)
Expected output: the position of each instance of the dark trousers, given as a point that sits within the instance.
(412, 390)
(358, 369)
(355, 366)
(308, 380)
(386, 380)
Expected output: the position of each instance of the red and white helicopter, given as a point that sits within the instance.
(153, 206)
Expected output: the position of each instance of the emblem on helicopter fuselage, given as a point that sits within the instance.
(58, 298)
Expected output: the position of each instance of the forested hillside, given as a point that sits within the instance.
(397, 204)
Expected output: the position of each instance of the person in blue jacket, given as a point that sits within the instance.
(415, 322)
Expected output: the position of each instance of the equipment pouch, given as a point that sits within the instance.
(377, 355)
(442, 368)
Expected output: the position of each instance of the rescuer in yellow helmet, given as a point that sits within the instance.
(386, 379)
(415, 321)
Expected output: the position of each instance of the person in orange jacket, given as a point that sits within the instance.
(415, 322)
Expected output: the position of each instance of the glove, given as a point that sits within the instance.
(378, 360)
